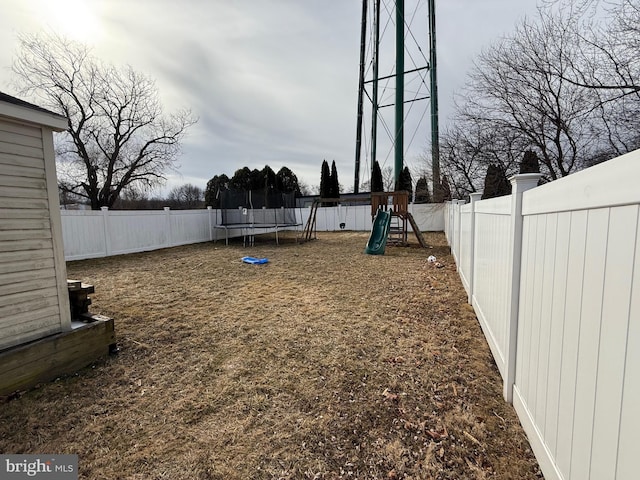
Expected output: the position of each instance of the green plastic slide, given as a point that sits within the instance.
(379, 233)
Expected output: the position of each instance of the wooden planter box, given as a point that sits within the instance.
(24, 366)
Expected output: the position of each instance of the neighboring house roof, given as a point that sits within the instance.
(19, 109)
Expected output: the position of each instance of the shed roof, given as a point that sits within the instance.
(18, 109)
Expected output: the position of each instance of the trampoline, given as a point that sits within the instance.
(256, 212)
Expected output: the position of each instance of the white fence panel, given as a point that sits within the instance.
(577, 373)
(91, 234)
(133, 231)
(455, 240)
(448, 225)
(613, 345)
(466, 255)
(574, 340)
(83, 234)
(575, 291)
(190, 226)
(428, 216)
(492, 291)
(629, 436)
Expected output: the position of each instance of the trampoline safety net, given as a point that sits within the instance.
(257, 207)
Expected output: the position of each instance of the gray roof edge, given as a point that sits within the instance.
(43, 116)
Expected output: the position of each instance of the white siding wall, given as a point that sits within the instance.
(29, 304)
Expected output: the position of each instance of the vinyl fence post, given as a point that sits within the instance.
(209, 211)
(519, 185)
(105, 226)
(474, 197)
(167, 216)
(459, 204)
(454, 204)
(450, 213)
(454, 233)
(449, 222)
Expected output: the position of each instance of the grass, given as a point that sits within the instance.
(323, 364)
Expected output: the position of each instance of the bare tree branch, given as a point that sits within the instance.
(118, 135)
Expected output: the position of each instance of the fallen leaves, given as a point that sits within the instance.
(438, 435)
(472, 438)
(389, 395)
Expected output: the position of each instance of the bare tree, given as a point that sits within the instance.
(516, 91)
(186, 196)
(117, 133)
(606, 63)
(468, 147)
(132, 198)
(305, 189)
(388, 179)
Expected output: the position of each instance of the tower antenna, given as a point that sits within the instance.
(363, 39)
(435, 137)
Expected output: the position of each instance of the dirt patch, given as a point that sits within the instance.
(324, 363)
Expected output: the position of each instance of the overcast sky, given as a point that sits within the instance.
(272, 81)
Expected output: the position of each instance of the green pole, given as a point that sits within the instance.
(399, 123)
(374, 108)
(435, 137)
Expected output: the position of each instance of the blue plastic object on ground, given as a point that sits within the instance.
(254, 261)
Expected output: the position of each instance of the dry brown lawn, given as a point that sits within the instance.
(323, 364)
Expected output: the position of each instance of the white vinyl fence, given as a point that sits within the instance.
(92, 234)
(553, 273)
(429, 217)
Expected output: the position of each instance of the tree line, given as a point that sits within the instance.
(382, 180)
(284, 181)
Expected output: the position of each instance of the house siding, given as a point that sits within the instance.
(29, 288)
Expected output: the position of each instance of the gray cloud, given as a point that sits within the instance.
(275, 82)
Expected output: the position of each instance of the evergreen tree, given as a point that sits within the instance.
(268, 179)
(287, 182)
(335, 184)
(245, 179)
(446, 189)
(530, 163)
(216, 185)
(495, 183)
(377, 184)
(422, 191)
(405, 183)
(242, 179)
(325, 181)
(256, 180)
